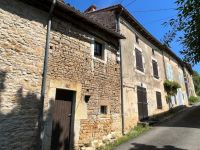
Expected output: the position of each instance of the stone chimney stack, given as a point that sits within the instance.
(90, 9)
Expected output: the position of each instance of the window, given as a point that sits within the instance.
(98, 50)
(142, 103)
(139, 63)
(155, 69)
(159, 100)
(153, 51)
(137, 39)
(103, 109)
(169, 72)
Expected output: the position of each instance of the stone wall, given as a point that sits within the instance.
(133, 77)
(178, 75)
(22, 41)
(72, 66)
(189, 83)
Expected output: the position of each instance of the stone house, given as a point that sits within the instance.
(82, 104)
(146, 64)
(82, 97)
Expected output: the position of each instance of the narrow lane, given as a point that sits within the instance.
(180, 133)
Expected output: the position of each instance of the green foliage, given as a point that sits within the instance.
(196, 80)
(135, 132)
(171, 87)
(194, 99)
(188, 23)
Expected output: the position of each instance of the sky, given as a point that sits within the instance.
(150, 13)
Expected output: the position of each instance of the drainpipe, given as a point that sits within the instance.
(121, 74)
(44, 75)
(164, 64)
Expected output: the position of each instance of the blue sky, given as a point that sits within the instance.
(142, 11)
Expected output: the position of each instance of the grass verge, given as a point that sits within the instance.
(135, 132)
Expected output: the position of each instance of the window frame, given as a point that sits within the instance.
(154, 61)
(157, 100)
(104, 51)
(138, 67)
(96, 44)
(137, 39)
(105, 109)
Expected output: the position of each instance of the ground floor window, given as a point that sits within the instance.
(159, 100)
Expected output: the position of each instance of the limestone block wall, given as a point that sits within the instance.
(22, 41)
(73, 66)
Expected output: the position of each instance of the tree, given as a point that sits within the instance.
(196, 80)
(187, 22)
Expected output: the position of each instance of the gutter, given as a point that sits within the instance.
(44, 75)
(121, 73)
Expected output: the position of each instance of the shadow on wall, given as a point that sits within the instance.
(138, 146)
(59, 143)
(19, 126)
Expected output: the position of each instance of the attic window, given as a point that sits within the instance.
(98, 50)
(137, 39)
(153, 51)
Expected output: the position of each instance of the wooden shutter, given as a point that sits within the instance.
(142, 103)
(139, 63)
(159, 100)
(155, 69)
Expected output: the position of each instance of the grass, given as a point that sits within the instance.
(194, 99)
(135, 132)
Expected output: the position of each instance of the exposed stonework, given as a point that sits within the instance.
(72, 66)
(71, 60)
(22, 40)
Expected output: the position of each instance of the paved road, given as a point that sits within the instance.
(180, 133)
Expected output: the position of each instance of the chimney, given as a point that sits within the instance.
(62, 1)
(90, 9)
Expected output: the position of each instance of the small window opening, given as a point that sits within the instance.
(137, 39)
(98, 50)
(153, 51)
(103, 109)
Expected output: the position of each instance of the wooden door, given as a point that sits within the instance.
(142, 103)
(62, 117)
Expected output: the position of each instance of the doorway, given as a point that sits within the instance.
(142, 103)
(63, 116)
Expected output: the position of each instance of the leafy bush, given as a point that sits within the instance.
(171, 87)
(194, 99)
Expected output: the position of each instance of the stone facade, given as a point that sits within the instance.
(189, 83)
(22, 41)
(73, 66)
(72, 61)
(133, 77)
(169, 66)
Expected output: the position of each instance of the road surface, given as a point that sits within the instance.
(180, 133)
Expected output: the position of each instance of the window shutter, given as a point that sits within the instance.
(139, 63)
(159, 100)
(168, 72)
(155, 69)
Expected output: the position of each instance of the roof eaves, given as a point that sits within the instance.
(88, 20)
